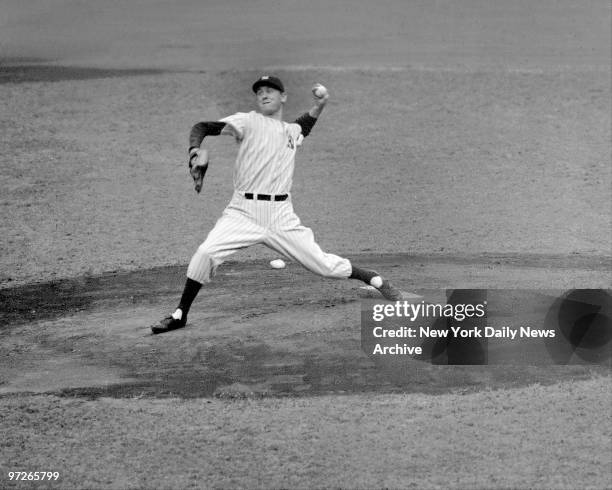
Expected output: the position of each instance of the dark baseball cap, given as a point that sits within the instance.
(268, 81)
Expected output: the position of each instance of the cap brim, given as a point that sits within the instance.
(266, 83)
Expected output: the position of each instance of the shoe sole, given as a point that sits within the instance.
(157, 329)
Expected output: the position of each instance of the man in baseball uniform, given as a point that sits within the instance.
(261, 210)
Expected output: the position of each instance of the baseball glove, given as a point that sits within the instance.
(198, 165)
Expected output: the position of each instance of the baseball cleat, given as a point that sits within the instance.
(390, 292)
(167, 324)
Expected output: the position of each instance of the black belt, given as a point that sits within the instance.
(266, 197)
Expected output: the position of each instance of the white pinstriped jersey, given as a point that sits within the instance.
(266, 156)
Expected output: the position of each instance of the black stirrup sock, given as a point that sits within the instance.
(364, 275)
(189, 294)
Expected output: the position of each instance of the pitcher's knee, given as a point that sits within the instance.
(203, 265)
(332, 267)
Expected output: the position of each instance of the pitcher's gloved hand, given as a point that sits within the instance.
(198, 165)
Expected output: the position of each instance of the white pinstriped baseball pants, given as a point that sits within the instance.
(247, 222)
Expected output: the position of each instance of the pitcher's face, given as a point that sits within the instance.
(270, 100)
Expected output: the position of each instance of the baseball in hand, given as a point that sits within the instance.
(319, 91)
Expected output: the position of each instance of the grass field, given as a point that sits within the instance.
(491, 439)
(445, 162)
(466, 144)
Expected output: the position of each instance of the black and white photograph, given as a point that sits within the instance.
(327, 244)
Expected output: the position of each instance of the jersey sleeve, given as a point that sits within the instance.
(306, 122)
(202, 129)
(236, 125)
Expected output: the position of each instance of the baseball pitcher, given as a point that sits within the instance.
(261, 210)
